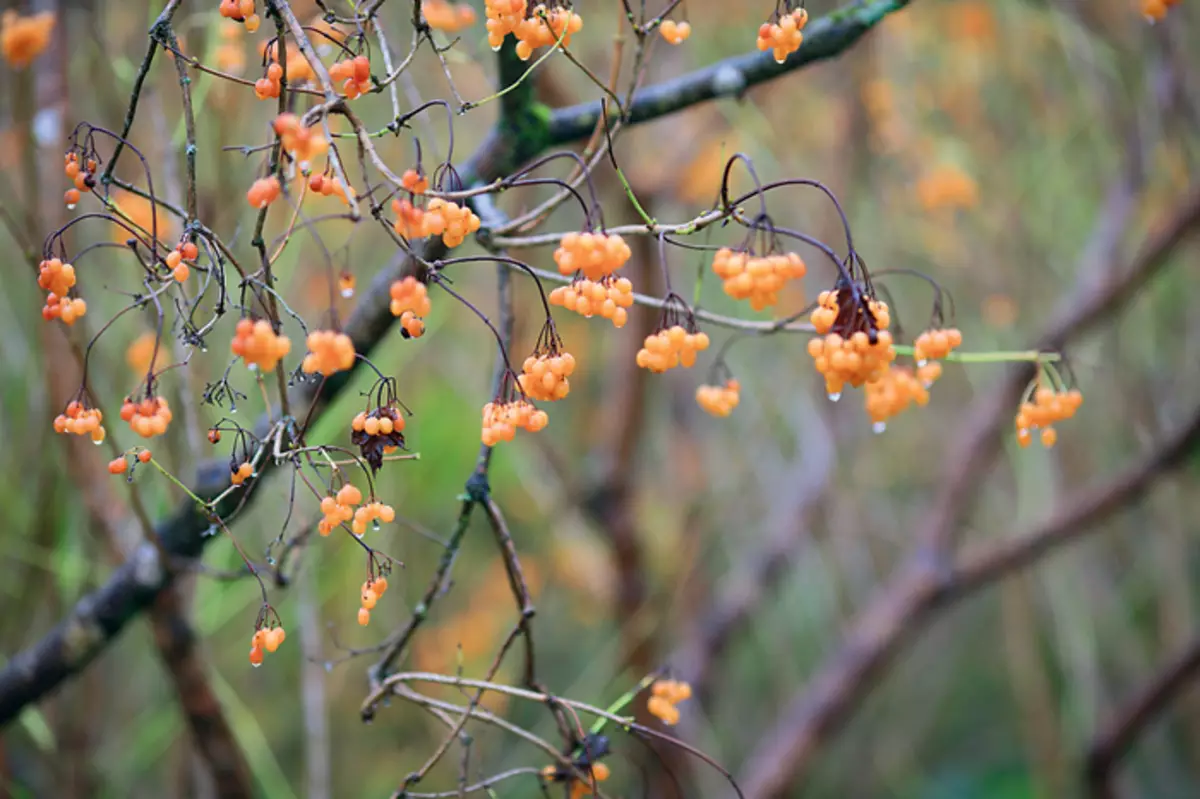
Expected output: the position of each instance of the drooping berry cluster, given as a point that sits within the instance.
(936, 344)
(270, 85)
(664, 696)
(596, 255)
(503, 17)
(756, 278)
(338, 509)
(856, 348)
(301, 143)
(410, 302)
(147, 418)
(57, 278)
(329, 352)
(544, 27)
(410, 219)
(80, 420)
(84, 180)
(240, 11)
(377, 433)
(544, 374)
(268, 638)
(298, 68)
(413, 181)
(177, 259)
(370, 512)
(258, 345)
(243, 472)
(897, 389)
(610, 297)
(671, 347)
(263, 192)
(447, 17)
(354, 75)
(372, 592)
(719, 400)
(783, 37)
(120, 465)
(675, 32)
(450, 221)
(501, 420)
(23, 39)
(328, 186)
(1047, 408)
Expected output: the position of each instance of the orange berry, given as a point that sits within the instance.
(118, 465)
(144, 456)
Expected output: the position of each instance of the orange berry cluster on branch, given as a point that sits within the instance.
(371, 512)
(176, 258)
(57, 278)
(147, 418)
(675, 32)
(936, 344)
(609, 297)
(893, 392)
(240, 11)
(410, 219)
(719, 400)
(83, 179)
(258, 345)
(328, 186)
(579, 788)
(447, 17)
(450, 221)
(81, 421)
(298, 69)
(338, 509)
(372, 592)
(377, 432)
(303, 144)
(671, 347)
(596, 255)
(664, 696)
(271, 85)
(242, 473)
(329, 352)
(1048, 406)
(265, 638)
(544, 27)
(756, 278)
(501, 420)
(354, 74)
(22, 39)
(856, 348)
(410, 302)
(783, 37)
(503, 17)
(544, 376)
(263, 192)
(414, 181)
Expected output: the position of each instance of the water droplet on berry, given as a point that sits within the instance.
(70, 206)
(921, 363)
(204, 349)
(253, 367)
(879, 427)
(97, 443)
(256, 665)
(347, 293)
(835, 396)
(375, 525)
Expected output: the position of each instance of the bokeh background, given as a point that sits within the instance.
(995, 146)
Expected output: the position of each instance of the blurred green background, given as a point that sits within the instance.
(979, 142)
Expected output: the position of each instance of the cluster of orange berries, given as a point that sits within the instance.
(121, 465)
(372, 592)
(329, 352)
(379, 422)
(448, 17)
(1156, 10)
(263, 192)
(81, 421)
(934, 344)
(544, 27)
(338, 509)
(354, 74)
(327, 186)
(83, 179)
(147, 418)
(303, 144)
(756, 278)
(719, 400)
(242, 473)
(23, 39)
(675, 32)
(241, 11)
(783, 37)
(258, 345)
(579, 788)
(265, 638)
(664, 696)
(609, 297)
(1048, 406)
(410, 219)
(414, 181)
(596, 255)
(184, 251)
(57, 278)
(544, 377)
(501, 420)
(503, 17)
(671, 347)
(365, 514)
(299, 70)
(854, 358)
(410, 302)
(270, 86)
(450, 221)
(896, 389)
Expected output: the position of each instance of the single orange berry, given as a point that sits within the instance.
(118, 465)
(144, 456)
